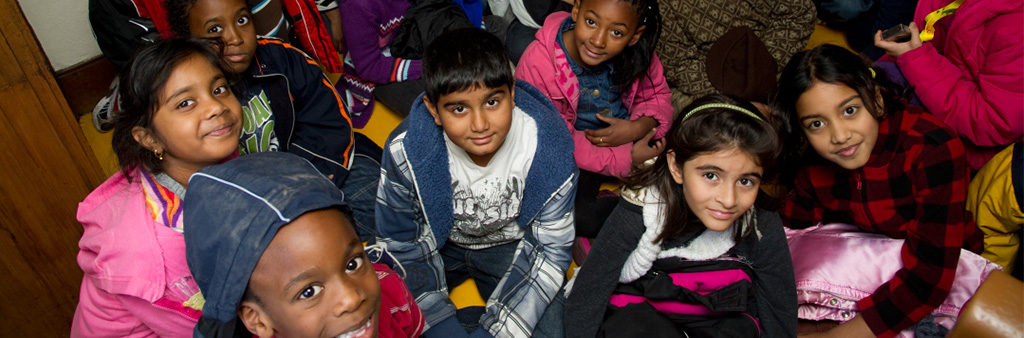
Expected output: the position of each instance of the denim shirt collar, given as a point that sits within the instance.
(569, 25)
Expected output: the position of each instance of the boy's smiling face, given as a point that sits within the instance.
(313, 280)
(476, 119)
(229, 21)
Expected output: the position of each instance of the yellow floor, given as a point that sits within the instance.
(825, 35)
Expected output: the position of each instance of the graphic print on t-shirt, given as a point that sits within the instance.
(257, 126)
(484, 211)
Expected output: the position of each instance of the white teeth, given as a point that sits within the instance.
(357, 333)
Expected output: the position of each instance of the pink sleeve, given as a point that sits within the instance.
(102, 314)
(537, 68)
(985, 108)
(166, 320)
(611, 161)
(653, 98)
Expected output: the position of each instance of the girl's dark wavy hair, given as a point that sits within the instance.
(834, 65)
(708, 130)
(177, 16)
(141, 85)
(634, 60)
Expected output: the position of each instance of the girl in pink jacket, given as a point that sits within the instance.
(597, 65)
(178, 115)
(965, 61)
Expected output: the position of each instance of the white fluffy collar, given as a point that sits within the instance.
(708, 245)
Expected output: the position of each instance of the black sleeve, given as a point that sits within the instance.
(775, 284)
(588, 299)
(119, 29)
(539, 9)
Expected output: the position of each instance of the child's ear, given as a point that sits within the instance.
(432, 109)
(879, 102)
(147, 138)
(636, 35)
(575, 10)
(673, 168)
(512, 92)
(255, 320)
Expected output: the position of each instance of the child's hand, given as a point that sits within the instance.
(643, 152)
(898, 48)
(620, 131)
(337, 36)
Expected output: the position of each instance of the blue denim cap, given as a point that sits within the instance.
(231, 213)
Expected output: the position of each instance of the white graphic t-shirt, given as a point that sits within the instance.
(488, 199)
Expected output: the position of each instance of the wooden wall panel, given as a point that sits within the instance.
(86, 83)
(46, 168)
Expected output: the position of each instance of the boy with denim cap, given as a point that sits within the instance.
(478, 181)
(270, 244)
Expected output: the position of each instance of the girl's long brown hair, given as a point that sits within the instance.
(706, 131)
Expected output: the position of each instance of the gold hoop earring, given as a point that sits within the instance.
(159, 154)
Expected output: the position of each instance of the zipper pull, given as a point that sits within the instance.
(858, 182)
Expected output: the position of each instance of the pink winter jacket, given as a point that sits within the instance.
(977, 87)
(544, 65)
(136, 283)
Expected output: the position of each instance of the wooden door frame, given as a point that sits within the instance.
(47, 168)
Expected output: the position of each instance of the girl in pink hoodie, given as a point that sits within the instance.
(178, 115)
(965, 61)
(597, 65)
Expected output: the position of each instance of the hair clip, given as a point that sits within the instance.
(721, 105)
(872, 70)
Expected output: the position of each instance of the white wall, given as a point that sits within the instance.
(62, 27)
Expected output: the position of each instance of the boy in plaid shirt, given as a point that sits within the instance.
(883, 167)
(479, 181)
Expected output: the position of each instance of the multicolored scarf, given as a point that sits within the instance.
(163, 205)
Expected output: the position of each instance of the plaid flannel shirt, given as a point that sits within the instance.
(415, 216)
(913, 187)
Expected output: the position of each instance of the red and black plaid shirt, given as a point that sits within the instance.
(913, 187)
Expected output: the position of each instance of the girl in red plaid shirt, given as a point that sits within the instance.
(871, 161)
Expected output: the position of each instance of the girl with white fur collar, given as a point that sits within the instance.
(686, 252)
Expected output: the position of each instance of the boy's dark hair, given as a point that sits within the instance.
(142, 82)
(834, 65)
(462, 59)
(634, 61)
(177, 16)
(708, 130)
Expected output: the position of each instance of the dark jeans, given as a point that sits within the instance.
(592, 210)
(862, 18)
(496, 25)
(517, 38)
(551, 324)
(399, 96)
(360, 187)
(485, 266)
